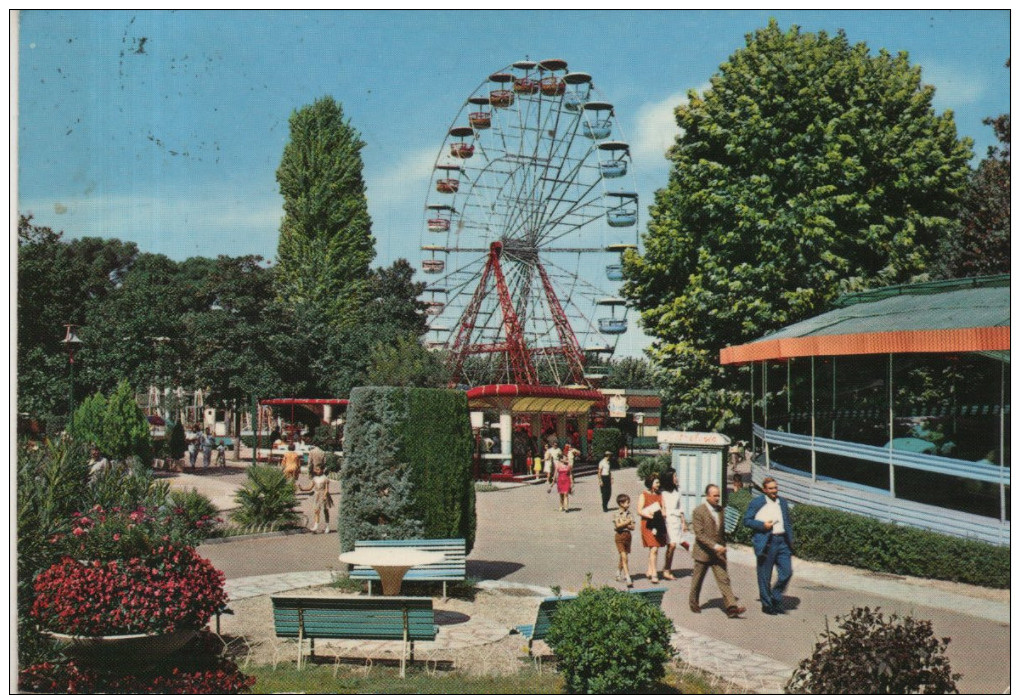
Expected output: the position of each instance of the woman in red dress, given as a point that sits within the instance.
(564, 481)
(653, 525)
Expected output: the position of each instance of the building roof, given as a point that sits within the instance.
(969, 315)
(532, 398)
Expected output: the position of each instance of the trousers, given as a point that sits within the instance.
(777, 555)
(722, 578)
(607, 491)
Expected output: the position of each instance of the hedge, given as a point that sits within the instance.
(842, 538)
(606, 439)
(407, 468)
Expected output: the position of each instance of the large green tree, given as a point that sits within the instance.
(807, 168)
(326, 245)
(982, 245)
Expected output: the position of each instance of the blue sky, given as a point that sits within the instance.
(166, 128)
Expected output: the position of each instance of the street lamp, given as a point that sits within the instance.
(71, 343)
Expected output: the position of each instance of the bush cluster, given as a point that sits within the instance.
(267, 497)
(407, 469)
(606, 439)
(168, 589)
(657, 466)
(872, 654)
(837, 537)
(115, 424)
(609, 641)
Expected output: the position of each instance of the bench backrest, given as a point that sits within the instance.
(354, 617)
(452, 568)
(548, 607)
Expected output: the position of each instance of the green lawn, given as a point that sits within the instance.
(318, 678)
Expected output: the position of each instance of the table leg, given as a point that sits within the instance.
(391, 578)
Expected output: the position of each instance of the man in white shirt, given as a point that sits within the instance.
(768, 517)
(605, 481)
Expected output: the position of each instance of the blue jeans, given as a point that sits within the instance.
(777, 554)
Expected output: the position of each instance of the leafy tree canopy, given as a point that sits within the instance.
(326, 244)
(809, 167)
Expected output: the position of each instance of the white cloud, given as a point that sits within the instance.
(954, 87)
(656, 129)
(409, 174)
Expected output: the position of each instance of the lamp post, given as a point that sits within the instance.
(71, 343)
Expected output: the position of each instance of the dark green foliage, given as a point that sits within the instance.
(405, 362)
(332, 463)
(194, 511)
(326, 244)
(407, 466)
(829, 535)
(982, 246)
(808, 168)
(608, 641)
(126, 484)
(658, 465)
(606, 439)
(631, 373)
(115, 424)
(871, 654)
(266, 497)
(52, 482)
(177, 442)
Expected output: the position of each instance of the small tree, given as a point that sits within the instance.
(125, 429)
(87, 424)
(872, 654)
(609, 641)
(178, 441)
(606, 439)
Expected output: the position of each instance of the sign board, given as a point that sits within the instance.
(692, 438)
(617, 406)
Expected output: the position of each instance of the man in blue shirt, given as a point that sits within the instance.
(768, 517)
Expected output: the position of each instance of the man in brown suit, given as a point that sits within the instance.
(710, 551)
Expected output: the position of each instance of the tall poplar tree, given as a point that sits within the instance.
(326, 245)
(809, 167)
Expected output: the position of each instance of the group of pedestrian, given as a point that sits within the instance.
(203, 442)
(663, 526)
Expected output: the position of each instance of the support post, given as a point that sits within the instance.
(892, 469)
(814, 455)
(561, 429)
(765, 411)
(582, 431)
(506, 430)
(1002, 446)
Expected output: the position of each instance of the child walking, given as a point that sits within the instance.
(623, 525)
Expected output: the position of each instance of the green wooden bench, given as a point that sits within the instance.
(401, 618)
(453, 568)
(548, 607)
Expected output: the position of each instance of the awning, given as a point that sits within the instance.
(969, 315)
(533, 399)
(304, 401)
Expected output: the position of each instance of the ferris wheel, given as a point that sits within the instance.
(530, 207)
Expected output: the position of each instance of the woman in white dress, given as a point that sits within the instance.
(676, 524)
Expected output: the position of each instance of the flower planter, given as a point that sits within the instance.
(122, 649)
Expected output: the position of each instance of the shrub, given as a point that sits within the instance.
(606, 439)
(830, 535)
(332, 463)
(872, 654)
(191, 516)
(657, 465)
(86, 424)
(266, 497)
(407, 469)
(168, 589)
(609, 641)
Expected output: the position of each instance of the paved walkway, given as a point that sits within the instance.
(524, 541)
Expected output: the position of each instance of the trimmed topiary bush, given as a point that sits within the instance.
(872, 654)
(609, 641)
(606, 439)
(407, 466)
(830, 535)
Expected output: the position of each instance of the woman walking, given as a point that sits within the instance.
(653, 524)
(676, 524)
(291, 464)
(564, 481)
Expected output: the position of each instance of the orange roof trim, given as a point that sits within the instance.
(954, 340)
